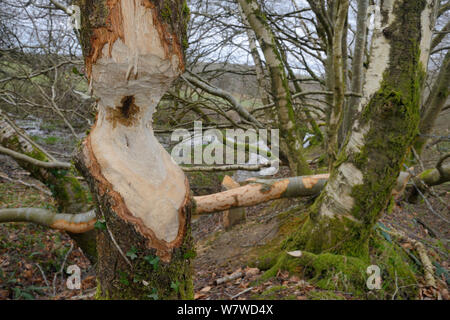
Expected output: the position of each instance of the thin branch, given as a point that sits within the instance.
(75, 223)
(43, 164)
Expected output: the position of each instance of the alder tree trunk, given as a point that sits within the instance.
(366, 170)
(134, 50)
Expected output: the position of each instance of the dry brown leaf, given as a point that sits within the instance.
(206, 289)
(199, 295)
(4, 294)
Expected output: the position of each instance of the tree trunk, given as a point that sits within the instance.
(260, 75)
(291, 141)
(234, 216)
(434, 104)
(133, 51)
(366, 170)
(357, 66)
(339, 81)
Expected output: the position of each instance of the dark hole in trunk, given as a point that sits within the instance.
(127, 106)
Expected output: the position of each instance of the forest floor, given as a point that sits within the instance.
(33, 259)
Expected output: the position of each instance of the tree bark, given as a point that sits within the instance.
(366, 170)
(339, 81)
(357, 65)
(133, 51)
(291, 141)
(434, 104)
(260, 75)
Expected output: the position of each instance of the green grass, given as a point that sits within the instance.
(50, 140)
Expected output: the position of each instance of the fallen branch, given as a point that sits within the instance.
(255, 192)
(420, 248)
(244, 167)
(75, 223)
(259, 191)
(241, 293)
(43, 164)
(436, 176)
(230, 277)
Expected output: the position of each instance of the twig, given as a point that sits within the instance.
(421, 250)
(62, 269)
(425, 199)
(226, 168)
(241, 293)
(84, 296)
(230, 277)
(117, 246)
(43, 164)
(396, 285)
(43, 275)
(416, 155)
(432, 232)
(441, 162)
(26, 184)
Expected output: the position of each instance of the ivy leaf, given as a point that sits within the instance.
(154, 261)
(175, 286)
(383, 230)
(154, 294)
(75, 70)
(123, 278)
(132, 253)
(100, 225)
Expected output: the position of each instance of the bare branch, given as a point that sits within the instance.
(43, 164)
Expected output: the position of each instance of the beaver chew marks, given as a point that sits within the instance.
(130, 77)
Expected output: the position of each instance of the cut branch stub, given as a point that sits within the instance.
(133, 54)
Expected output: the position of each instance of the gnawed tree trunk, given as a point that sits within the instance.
(366, 170)
(290, 133)
(67, 191)
(133, 52)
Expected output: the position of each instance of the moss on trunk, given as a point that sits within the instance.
(392, 118)
(336, 238)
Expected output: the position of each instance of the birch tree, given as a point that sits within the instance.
(365, 172)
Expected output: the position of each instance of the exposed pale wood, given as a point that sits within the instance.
(234, 216)
(131, 68)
